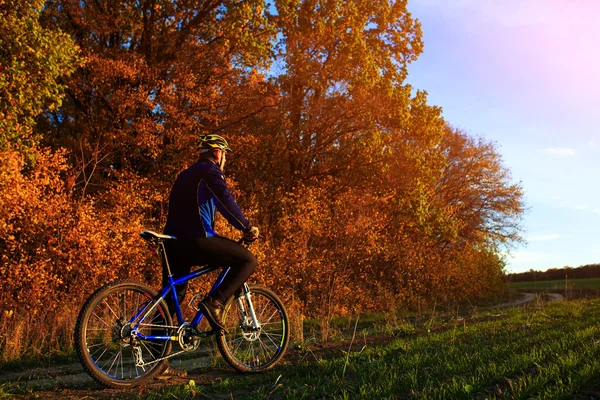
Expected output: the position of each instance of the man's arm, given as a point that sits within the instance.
(224, 200)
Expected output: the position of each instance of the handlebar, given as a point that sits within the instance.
(243, 241)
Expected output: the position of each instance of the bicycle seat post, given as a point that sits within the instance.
(159, 240)
(166, 260)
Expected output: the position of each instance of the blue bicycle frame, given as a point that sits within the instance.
(170, 289)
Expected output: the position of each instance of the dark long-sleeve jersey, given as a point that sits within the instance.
(197, 193)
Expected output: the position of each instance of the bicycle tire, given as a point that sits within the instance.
(100, 329)
(248, 351)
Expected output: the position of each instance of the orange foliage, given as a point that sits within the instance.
(54, 251)
(366, 199)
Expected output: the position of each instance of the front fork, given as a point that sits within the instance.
(248, 296)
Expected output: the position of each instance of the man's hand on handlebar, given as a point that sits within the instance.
(251, 234)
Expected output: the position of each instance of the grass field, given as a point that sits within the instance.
(592, 283)
(546, 352)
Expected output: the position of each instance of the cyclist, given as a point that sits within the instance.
(198, 192)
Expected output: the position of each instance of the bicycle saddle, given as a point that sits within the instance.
(155, 237)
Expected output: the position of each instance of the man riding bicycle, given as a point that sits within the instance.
(198, 192)
(125, 330)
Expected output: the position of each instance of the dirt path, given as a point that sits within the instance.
(555, 297)
(523, 299)
(526, 298)
(71, 382)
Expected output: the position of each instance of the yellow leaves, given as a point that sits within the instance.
(34, 58)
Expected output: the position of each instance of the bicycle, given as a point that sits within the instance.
(124, 332)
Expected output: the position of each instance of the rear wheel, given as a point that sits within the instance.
(253, 350)
(108, 349)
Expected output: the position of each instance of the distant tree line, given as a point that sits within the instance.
(553, 274)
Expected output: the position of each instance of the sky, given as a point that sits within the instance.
(525, 74)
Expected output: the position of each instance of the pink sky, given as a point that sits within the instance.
(546, 47)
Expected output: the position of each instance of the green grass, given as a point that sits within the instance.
(544, 353)
(39, 362)
(592, 283)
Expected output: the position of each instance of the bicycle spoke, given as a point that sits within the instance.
(271, 317)
(106, 348)
(96, 345)
(271, 323)
(269, 337)
(115, 302)
(240, 339)
(124, 306)
(112, 364)
(148, 350)
(254, 356)
(270, 333)
(122, 371)
(110, 308)
(141, 312)
(136, 369)
(232, 342)
(239, 345)
(101, 320)
(264, 347)
(260, 314)
(137, 305)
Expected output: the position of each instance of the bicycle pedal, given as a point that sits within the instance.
(194, 303)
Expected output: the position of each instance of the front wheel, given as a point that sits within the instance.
(105, 334)
(246, 348)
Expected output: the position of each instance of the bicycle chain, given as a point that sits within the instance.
(139, 360)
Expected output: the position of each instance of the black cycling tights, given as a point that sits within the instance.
(183, 254)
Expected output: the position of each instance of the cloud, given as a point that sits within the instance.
(558, 151)
(543, 237)
(592, 143)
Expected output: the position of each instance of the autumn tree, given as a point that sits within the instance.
(478, 190)
(340, 64)
(454, 216)
(343, 113)
(159, 73)
(32, 61)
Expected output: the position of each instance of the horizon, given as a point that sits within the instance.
(569, 267)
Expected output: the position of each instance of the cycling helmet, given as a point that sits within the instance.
(212, 142)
